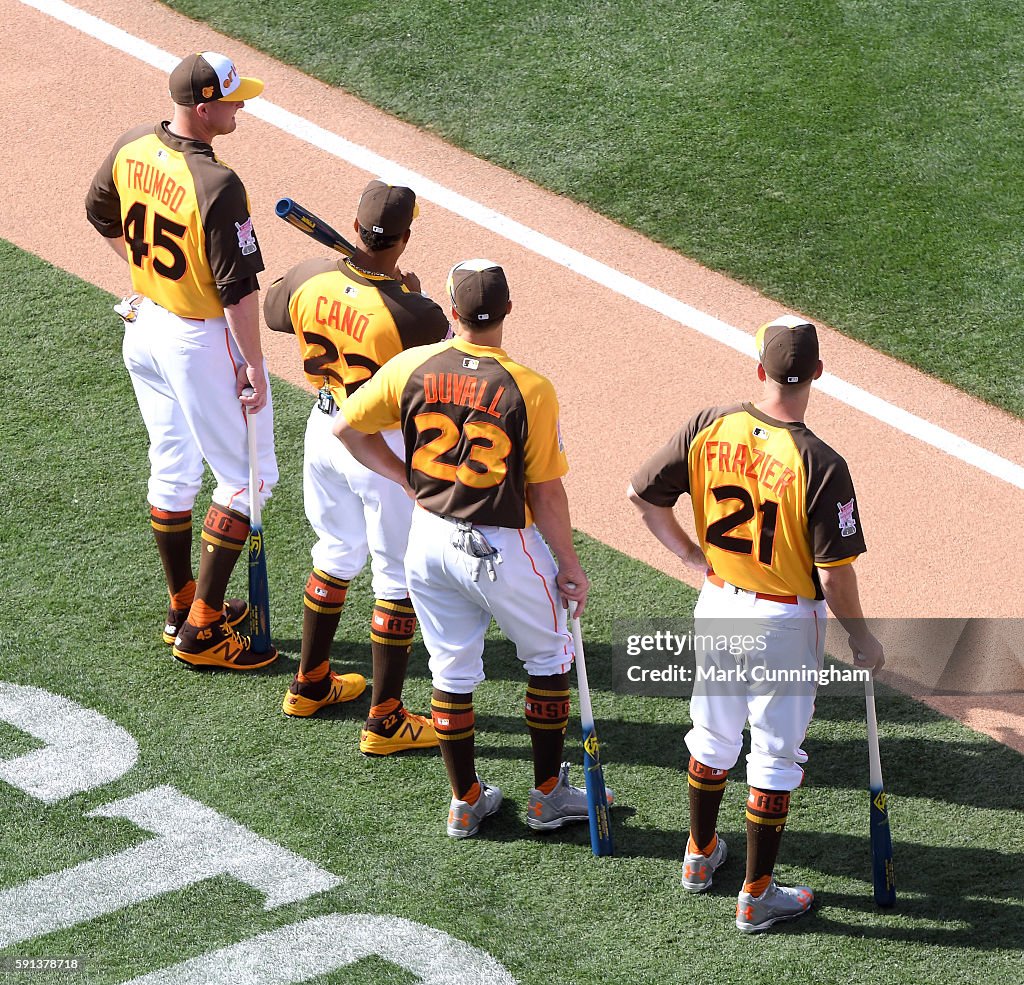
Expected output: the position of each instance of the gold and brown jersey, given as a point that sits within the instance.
(771, 501)
(349, 322)
(184, 216)
(479, 428)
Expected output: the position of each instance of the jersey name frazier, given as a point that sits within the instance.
(755, 463)
(462, 391)
(155, 183)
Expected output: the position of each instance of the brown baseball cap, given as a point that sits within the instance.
(479, 291)
(206, 77)
(387, 210)
(788, 349)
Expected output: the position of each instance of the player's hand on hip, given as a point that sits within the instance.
(251, 378)
(573, 585)
(867, 652)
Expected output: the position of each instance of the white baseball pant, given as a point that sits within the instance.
(454, 610)
(184, 372)
(793, 637)
(354, 511)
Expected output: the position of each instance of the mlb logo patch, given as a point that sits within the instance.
(469, 363)
(246, 237)
(760, 433)
(320, 593)
(847, 522)
(351, 291)
(378, 620)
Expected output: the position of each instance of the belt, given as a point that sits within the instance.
(722, 583)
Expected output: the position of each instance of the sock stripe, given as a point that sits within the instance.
(455, 736)
(538, 692)
(446, 705)
(550, 726)
(225, 527)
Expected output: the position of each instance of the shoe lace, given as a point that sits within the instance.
(245, 642)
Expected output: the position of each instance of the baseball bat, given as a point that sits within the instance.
(881, 837)
(312, 225)
(593, 772)
(259, 586)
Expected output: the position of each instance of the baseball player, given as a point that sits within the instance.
(180, 218)
(351, 317)
(779, 530)
(484, 461)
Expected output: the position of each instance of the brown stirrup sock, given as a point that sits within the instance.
(322, 602)
(454, 722)
(224, 535)
(767, 812)
(707, 787)
(172, 531)
(392, 626)
(313, 684)
(184, 598)
(547, 715)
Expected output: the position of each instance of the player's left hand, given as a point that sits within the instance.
(253, 378)
(410, 280)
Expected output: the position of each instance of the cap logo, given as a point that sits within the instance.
(378, 229)
(483, 317)
(229, 80)
(207, 92)
(792, 379)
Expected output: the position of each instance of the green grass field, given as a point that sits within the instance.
(859, 161)
(83, 602)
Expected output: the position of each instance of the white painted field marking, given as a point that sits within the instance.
(83, 749)
(600, 273)
(193, 843)
(303, 951)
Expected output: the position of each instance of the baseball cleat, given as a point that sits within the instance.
(776, 903)
(698, 868)
(235, 610)
(220, 646)
(464, 819)
(564, 805)
(342, 687)
(412, 732)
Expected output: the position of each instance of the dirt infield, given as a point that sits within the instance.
(626, 377)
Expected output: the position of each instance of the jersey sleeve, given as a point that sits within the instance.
(418, 320)
(376, 405)
(277, 307)
(102, 201)
(545, 452)
(665, 476)
(232, 249)
(833, 520)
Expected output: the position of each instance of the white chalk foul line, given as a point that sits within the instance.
(600, 273)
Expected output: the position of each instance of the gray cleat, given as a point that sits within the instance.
(564, 805)
(776, 903)
(698, 869)
(464, 819)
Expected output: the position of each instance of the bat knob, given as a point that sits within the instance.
(283, 207)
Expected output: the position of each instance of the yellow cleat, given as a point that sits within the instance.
(218, 646)
(414, 732)
(344, 687)
(235, 610)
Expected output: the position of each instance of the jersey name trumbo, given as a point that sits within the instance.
(155, 183)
